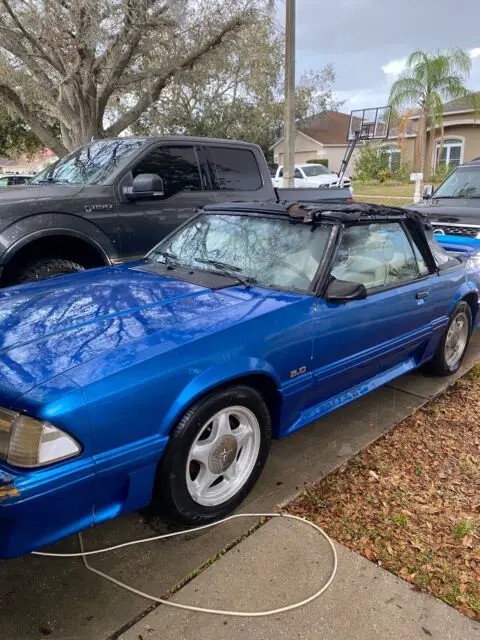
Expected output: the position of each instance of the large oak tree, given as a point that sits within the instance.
(74, 61)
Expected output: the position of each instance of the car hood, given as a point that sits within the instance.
(453, 210)
(322, 179)
(38, 192)
(50, 327)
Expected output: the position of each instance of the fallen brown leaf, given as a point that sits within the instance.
(398, 501)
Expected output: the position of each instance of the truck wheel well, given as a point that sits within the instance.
(61, 246)
(472, 300)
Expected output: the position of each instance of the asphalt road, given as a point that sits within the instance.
(58, 598)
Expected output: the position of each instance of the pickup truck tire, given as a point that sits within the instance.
(46, 268)
(215, 455)
(453, 345)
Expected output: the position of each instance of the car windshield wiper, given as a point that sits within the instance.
(227, 269)
(170, 258)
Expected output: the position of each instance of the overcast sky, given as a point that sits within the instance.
(367, 40)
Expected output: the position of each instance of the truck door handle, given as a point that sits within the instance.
(421, 294)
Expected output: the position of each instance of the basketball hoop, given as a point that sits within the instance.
(369, 124)
(365, 124)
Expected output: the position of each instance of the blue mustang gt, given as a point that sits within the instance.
(164, 380)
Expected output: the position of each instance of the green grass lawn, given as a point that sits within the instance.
(382, 193)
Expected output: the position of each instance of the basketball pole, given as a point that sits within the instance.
(289, 114)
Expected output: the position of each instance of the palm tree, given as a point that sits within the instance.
(429, 80)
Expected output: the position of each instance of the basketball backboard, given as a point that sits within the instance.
(369, 124)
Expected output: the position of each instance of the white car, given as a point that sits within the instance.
(14, 179)
(312, 175)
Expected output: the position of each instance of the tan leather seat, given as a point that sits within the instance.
(362, 269)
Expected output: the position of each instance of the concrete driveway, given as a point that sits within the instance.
(56, 598)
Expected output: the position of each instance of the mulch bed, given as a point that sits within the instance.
(411, 501)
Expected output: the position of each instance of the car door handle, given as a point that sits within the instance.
(421, 294)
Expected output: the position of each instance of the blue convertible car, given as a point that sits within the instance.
(164, 380)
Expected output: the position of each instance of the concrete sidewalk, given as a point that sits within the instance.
(285, 561)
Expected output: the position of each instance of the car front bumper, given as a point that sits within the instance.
(41, 506)
(37, 508)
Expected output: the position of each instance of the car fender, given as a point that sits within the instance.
(213, 377)
(26, 230)
(467, 288)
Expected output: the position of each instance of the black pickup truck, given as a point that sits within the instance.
(114, 199)
(454, 208)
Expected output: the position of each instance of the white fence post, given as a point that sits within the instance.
(418, 179)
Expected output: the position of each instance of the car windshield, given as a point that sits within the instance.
(313, 170)
(90, 165)
(264, 250)
(464, 182)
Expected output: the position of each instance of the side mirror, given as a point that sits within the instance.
(344, 291)
(427, 191)
(145, 186)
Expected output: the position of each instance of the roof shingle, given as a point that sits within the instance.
(330, 127)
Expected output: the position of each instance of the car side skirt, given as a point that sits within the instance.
(317, 411)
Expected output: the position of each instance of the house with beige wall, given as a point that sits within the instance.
(325, 137)
(461, 138)
(322, 137)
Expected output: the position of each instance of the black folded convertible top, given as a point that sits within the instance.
(315, 212)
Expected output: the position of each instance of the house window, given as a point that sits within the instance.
(452, 152)
(392, 154)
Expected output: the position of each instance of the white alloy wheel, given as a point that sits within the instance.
(223, 456)
(457, 339)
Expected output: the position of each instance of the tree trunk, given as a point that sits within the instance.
(440, 150)
(87, 121)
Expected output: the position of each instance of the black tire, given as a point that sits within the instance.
(45, 268)
(438, 365)
(171, 495)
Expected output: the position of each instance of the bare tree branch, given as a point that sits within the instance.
(153, 92)
(129, 33)
(12, 43)
(13, 101)
(54, 61)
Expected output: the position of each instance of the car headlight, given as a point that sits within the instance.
(477, 236)
(27, 442)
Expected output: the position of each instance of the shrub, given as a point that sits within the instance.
(402, 174)
(383, 175)
(441, 174)
(370, 162)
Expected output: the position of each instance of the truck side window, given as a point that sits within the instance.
(235, 169)
(177, 166)
(297, 174)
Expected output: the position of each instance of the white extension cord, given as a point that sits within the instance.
(246, 614)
